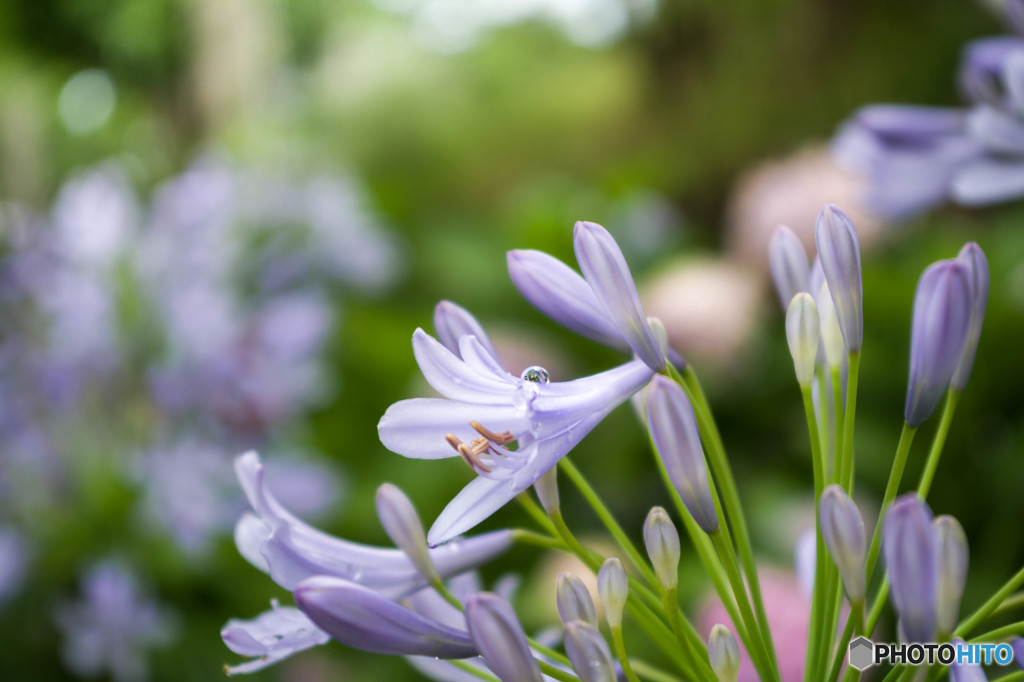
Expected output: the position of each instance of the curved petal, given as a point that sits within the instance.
(988, 181)
(452, 322)
(362, 619)
(453, 378)
(272, 636)
(998, 130)
(562, 294)
(417, 427)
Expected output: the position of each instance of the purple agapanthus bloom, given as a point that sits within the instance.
(915, 158)
(275, 541)
(602, 304)
(113, 625)
(484, 410)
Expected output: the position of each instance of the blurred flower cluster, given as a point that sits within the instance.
(142, 344)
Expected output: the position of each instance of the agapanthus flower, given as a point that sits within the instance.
(484, 410)
(275, 541)
(909, 546)
(602, 304)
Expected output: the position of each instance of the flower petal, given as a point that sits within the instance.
(455, 379)
(417, 427)
(361, 618)
(452, 322)
(272, 636)
(988, 181)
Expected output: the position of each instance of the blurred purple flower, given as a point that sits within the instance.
(15, 555)
(909, 547)
(111, 628)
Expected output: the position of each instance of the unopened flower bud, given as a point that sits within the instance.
(951, 546)
(547, 490)
(573, 600)
(613, 588)
(832, 343)
(403, 526)
(787, 259)
(662, 541)
(803, 332)
(942, 313)
(974, 260)
(724, 654)
(842, 528)
(908, 543)
(673, 428)
(839, 251)
(499, 636)
(588, 652)
(604, 267)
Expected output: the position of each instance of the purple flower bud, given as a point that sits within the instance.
(832, 345)
(843, 531)
(673, 427)
(499, 636)
(803, 332)
(974, 259)
(613, 588)
(403, 526)
(362, 619)
(839, 251)
(1018, 651)
(452, 322)
(724, 653)
(662, 541)
(952, 559)
(787, 259)
(908, 544)
(562, 294)
(605, 270)
(589, 653)
(942, 313)
(573, 600)
(547, 490)
(966, 672)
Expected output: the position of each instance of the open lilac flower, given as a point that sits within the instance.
(484, 410)
(270, 637)
(289, 550)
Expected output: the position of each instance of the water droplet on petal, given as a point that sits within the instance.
(536, 374)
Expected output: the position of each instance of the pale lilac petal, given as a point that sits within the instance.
(604, 267)
(452, 322)
(908, 544)
(988, 181)
(1000, 131)
(910, 122)
(499, 636)
(417, 427)
(976, 263)
(454, 379)
(481, 360)
(562, 294)
(272, 636)
(483, 496)
(359, 617)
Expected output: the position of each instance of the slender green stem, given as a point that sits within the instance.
(848, 420)
(755, 645)
(730, 494)
(528, 537)
(986, 609)
(837, 662)
(557, 673)
(1011, 630)
(620, 651)
(877, 605)
(609, 521)
(815, 634)
(442, 590)
(473, 670)
(932, 463)
(1009, 604)
(1012, 677)
(535, 512)
(653, 674)
(670, 597)
(836, 375)
(891, 488)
